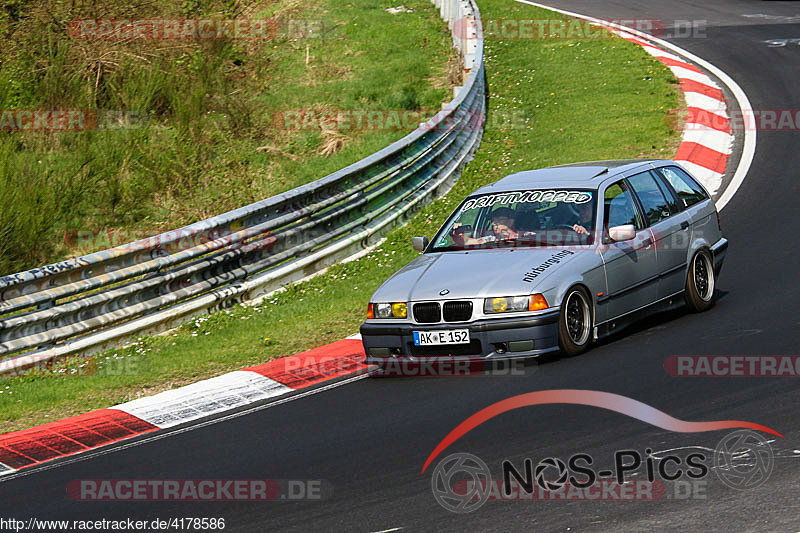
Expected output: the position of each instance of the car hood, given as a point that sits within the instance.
(474, 274)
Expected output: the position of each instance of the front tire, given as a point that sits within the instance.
(575, 322)
(700, 282)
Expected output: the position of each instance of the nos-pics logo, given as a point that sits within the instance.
(462, 482)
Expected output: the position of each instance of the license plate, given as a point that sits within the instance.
(443, 336)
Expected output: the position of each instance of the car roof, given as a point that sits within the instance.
(585, 175)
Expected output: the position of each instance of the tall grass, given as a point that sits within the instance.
(180, 123)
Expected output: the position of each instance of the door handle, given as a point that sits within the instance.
(684, 225)
(647, 242)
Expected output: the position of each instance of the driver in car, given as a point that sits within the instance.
(584, 218)
(502, 228)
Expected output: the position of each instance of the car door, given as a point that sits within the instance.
(631, 267)
(671, 229)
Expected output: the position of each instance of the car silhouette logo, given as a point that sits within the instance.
(444, 292)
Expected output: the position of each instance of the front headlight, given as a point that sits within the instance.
(389, 310)
(513, 304)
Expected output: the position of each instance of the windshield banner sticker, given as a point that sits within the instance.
(574, 197)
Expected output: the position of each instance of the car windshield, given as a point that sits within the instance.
(525, 218)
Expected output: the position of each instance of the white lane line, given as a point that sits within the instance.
(749, 148)
(115, 447)
(388, 530)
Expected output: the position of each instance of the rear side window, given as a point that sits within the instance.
(655, 205)
(619, 208)
(675, 204)
(689, 192)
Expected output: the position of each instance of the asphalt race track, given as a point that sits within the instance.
(370, 438)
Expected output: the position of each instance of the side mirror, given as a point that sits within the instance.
(420, 243)
(625, 232)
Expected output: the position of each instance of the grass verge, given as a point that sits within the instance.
(187, 129)
(588, 100)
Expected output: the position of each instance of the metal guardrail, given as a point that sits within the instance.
(90, 303)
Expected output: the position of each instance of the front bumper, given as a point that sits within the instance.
(491, 338)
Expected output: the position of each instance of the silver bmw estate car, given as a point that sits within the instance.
(551, 259)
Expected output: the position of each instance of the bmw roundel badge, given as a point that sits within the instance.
(444, 292)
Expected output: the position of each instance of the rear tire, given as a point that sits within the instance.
(700, 281)
(575, 322)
